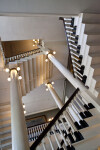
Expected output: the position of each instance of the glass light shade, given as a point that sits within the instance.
(18, 68)
(46, 60)
(24, 111)
(20, 77)
(47, 52)
(23, 105)
(46, 89)
(54, 52)
(7, 69)
(52, 83)
(9, 79)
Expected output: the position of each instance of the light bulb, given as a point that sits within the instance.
(33, 39)
(46, 60)
(7, 69)
(52, 83)
(19, 77)
(46, 52)
(46, 89)
(18, 68)
(46, 84)
(9, 79)
(24, 111)
(50, 119)
(23, 105)
(33, 45)
(54, 52)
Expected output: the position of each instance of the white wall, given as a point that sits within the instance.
(23, 28)
(49, 6)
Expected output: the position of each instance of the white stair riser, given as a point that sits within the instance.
(92, 85)
(89, 77)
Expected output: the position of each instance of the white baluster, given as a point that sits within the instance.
(69, 121)
(73, 113)
(73, 49)
(73, 45)
(82, 108)
(66, 128)
(66, 142)
(68, 19)
(73, 57)
(69, 32)
(56, 138)
(67, 109)
(69, 27)
(49, 138)
(75, 110)
(74, 54)
(43, 144)
(76, 63)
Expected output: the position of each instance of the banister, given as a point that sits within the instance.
(43, 134)
(69, 58)
(74, 49)
(22, 55)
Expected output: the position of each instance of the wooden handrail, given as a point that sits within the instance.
(33, 50)
(42, 135)
(17, 57)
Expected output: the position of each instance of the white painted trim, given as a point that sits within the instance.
(41, 111)
(35, 15)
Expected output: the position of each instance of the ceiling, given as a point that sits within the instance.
(51, 30)
(49, 6)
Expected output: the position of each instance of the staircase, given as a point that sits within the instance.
(77, 124)
(5, 126)
(83, 38)
(34, 72)
(92, 30)
(75, 127)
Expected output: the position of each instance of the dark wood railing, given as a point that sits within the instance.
(43, 134)
(22, 55)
